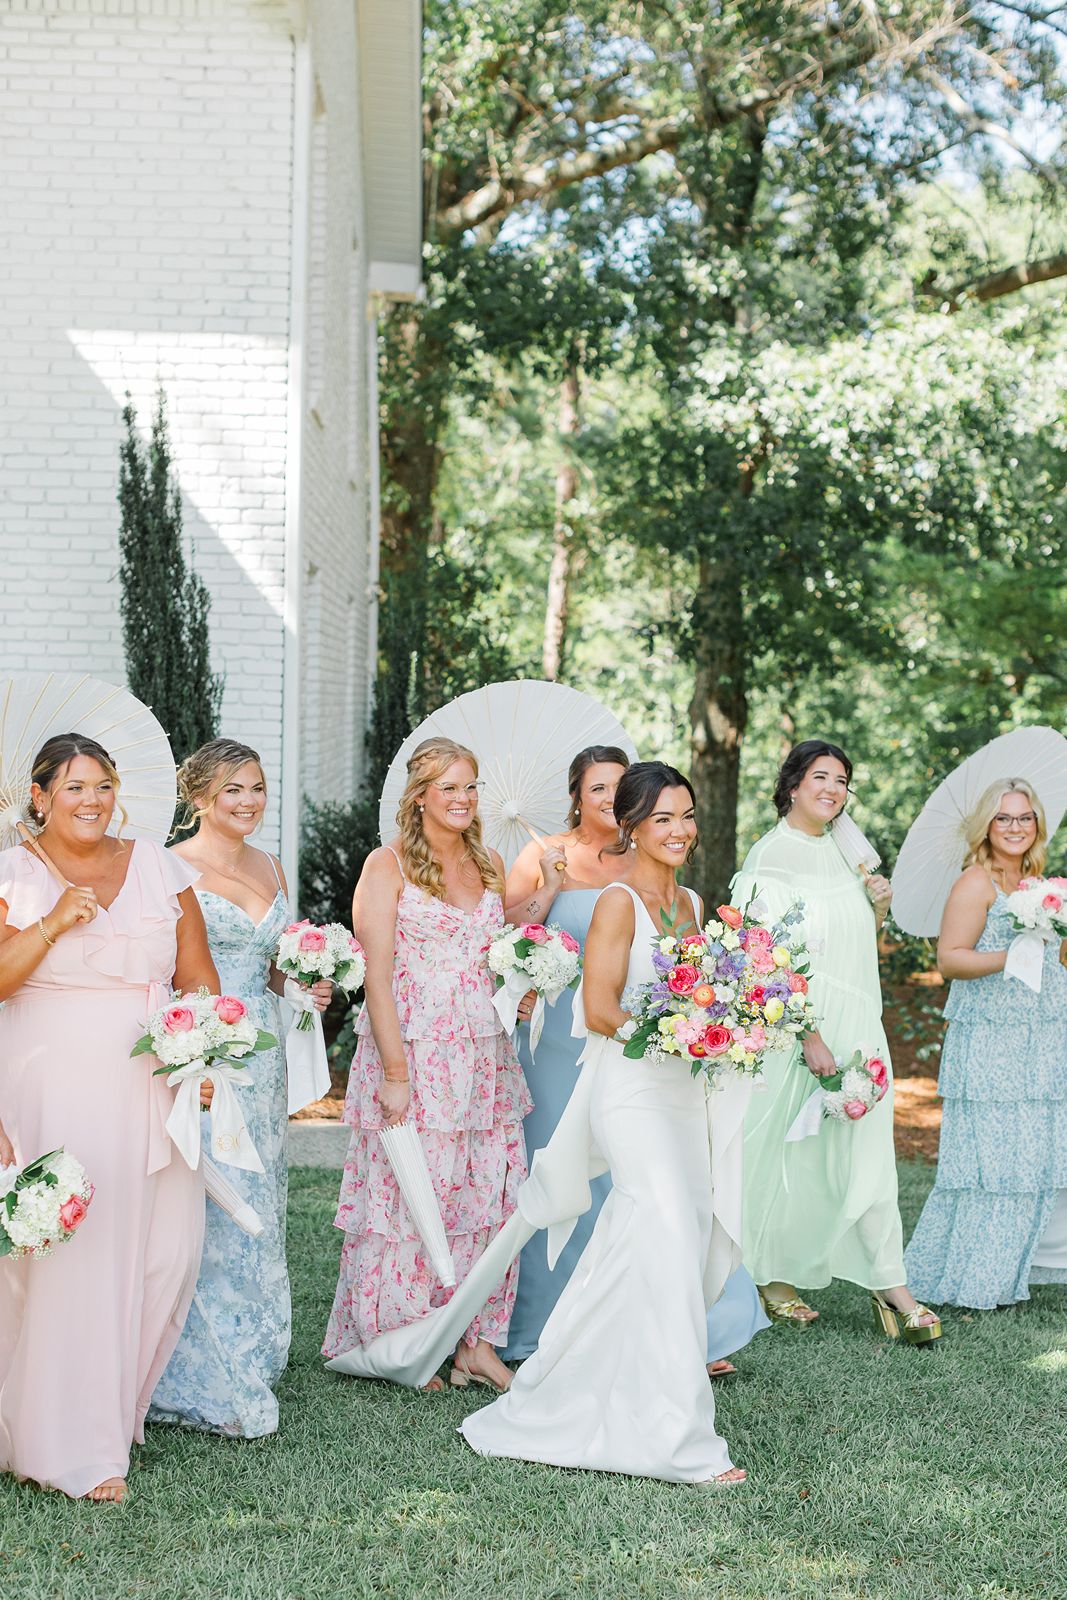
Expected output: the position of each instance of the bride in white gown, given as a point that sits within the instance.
(618, 1382)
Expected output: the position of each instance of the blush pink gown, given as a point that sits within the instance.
(86, 1332)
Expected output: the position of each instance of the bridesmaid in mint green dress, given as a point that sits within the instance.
(235, 1343)
(538, 891)
(824, 1207)
(996, 1219)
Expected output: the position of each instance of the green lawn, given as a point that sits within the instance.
(875, 1472)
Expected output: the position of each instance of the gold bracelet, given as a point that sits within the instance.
(45, 935)
(389, 1079)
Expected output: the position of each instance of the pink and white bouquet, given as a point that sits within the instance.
(308, 954)
(206, 1036)
(725, 997)
(846, 1095)
(532, 956)
(42, 1204)
(1038, 910)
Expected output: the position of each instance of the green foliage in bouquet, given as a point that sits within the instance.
(37, 1172)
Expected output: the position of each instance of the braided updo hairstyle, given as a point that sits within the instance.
(203, 776)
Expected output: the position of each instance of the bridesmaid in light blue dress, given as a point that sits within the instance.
(235, 1343)
(539, 891)
(995, 1221)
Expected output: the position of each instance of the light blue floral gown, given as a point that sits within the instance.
(236, 1341)
(994, 1221)
(552, 1075)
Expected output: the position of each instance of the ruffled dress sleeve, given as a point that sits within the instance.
(25, 887)
(137, 943)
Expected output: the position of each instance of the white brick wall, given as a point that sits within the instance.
(145, 156)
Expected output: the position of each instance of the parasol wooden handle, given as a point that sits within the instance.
(42, 855)
(561, 866)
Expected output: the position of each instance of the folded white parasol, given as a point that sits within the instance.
(36, 705)
(408, 1161)
(932, 855)
(222, 1191)
(525, 735)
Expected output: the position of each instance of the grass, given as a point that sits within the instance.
(876, 1472)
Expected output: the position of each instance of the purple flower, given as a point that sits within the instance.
(661, 962)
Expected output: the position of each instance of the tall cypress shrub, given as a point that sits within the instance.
(165, 605)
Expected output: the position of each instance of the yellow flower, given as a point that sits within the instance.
(736, 1052)
(668, 1024)
(780, 955)
(774, 1010)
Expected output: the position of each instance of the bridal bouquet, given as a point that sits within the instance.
(43, 1204)
(206, 1036)
(726, 996)
(845, 1096)
(1038, 910)
(308, 954)
(532, 956)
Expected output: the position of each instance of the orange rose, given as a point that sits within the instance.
(730, 915)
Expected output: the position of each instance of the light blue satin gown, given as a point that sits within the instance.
(552, 1074)
(235, 1344)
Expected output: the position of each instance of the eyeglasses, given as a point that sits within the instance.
(1002, 820)
(450, 790)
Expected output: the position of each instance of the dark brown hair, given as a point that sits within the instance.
(635, 800)
(57, 753)
(800, 758)
(593, 755)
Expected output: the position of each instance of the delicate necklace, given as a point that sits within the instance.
(228, 867)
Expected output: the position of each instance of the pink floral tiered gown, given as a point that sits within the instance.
(468, 1100)
(86, 1332)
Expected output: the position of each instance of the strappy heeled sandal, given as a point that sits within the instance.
(790, 1311)
(905, 1325)
(461, 1377)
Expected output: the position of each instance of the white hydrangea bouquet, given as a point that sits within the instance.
(1038, 910)
(206, 1036)
(532, 956)
(308, 954)
(42, 1204)
(844, 1096)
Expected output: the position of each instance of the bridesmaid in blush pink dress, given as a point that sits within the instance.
(430, 1047)
(86, 1332)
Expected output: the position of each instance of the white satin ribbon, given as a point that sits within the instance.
(8, 1179)
(1026, 956)
(808, 1120)
(307, 1067)
(231, 1142)
(506, 1005)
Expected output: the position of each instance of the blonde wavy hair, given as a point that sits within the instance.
(428, 762)
(50, 766)
(977, 825)
(205, 774)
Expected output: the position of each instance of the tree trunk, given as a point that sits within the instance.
(562, 565)
(718, 714)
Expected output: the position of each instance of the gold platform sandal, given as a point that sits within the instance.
(905, 1324)
(795, 1311)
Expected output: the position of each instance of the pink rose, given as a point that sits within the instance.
(756, 1039)
(717, 1040)
(854, 1109)
(730, 915)
(536, 932)
(357, 948)
(1052, 902)
(295, 927)
(569, 943)
(757, 996)
(229, 1009)
(878, 1072)
(72, 1212)
(684, 979)
(881, 1090)
(762, 960)
(312, 939)
(797, 984)
(179, 1019)
(759, 939)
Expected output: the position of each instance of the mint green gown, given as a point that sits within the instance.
(823, 1207)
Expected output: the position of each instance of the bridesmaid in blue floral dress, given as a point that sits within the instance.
(235, 1343)
(560, 884)
(996, 1219)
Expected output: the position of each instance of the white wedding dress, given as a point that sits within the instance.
(618, 1382)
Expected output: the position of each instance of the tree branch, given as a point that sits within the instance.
(994, 285)
(974, 122)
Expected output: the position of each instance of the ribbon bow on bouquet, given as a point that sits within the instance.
(206, 1036)
(1038, 909)
(547, 960)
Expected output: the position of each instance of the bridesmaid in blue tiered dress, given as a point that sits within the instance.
(996, 1219)
(235, 1343)
(560, 884)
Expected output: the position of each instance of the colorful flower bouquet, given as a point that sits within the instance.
(845, 1096)
(532, 956)
(42, 1205)
(206, 1036)
(309, 954)
(1038, 910)
(726, 996)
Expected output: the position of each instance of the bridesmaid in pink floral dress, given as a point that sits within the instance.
(430, 1046)
(86, 1332)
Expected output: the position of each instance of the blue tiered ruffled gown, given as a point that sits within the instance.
(552, 1074)
(236, 1341)
(996, 1219)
